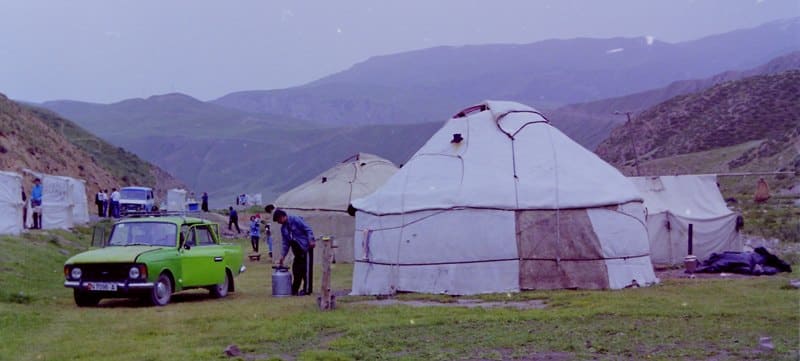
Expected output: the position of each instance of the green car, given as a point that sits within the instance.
(151, 258)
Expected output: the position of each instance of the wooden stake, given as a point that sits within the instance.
(326, 300)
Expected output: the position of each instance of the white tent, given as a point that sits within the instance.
(58, 201)
(498, 200)
(80, 209)
(674, 202)
(176, 200)
(10, 203)
(323, 200)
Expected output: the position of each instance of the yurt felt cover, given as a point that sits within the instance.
(674, 202)
(176, 200)
(470, 213)
(57, 202)
(10, 203)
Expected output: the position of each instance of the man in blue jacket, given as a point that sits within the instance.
(36, 203)
(298, 236)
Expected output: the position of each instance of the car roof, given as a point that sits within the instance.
(136, 188)
(167, 219)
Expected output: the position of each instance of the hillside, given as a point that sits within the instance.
(758, 116)
(591, 123)
(423, 85)
(40, 140)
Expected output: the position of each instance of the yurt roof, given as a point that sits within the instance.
(500, 155)
(334, 189)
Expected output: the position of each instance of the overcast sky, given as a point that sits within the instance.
(106, 50)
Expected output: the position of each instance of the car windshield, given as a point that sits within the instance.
(143, 234)
(136, 194)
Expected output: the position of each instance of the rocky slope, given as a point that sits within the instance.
(39, 140)
(763, 111)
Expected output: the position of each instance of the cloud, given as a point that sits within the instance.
(286, 14)
(113, 34)
(612, 51)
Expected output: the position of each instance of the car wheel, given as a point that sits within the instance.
(221, 290)
(162, 291)
(85, 299)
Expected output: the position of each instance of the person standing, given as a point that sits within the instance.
(254, 233)
(106, 203)
(98, 201)
(298, 236)
(204, 204)
(233, 220)
(115, 196)
(24, 208)
(36, 203)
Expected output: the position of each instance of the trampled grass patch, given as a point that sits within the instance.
(678, 319)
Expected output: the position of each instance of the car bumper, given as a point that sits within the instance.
(121, 286)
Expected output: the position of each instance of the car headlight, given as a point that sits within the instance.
(134, 272)
(76, 273)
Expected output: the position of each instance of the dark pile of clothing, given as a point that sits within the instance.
(757, 263)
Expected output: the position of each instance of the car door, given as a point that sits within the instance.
(203, 263)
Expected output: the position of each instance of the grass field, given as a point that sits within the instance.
(717, 319)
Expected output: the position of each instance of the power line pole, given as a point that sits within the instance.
(633, 144)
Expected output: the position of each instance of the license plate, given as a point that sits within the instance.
(101, 286)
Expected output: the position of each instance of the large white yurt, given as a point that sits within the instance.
(10, 203)
(58, 201)
(499, 200)
(323, 200)
(675, 202)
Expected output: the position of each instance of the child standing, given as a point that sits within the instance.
(254, 233)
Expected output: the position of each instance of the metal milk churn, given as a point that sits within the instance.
(281, 282)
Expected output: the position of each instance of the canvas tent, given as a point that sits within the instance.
(176, 200)
(498, 200)
(323, 200)
(10, 203)
(674, 202)
(80, 209)
(60, 196)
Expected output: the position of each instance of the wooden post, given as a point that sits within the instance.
(326, 299)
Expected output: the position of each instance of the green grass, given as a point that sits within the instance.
(679, 319)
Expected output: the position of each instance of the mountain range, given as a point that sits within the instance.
(236, 144)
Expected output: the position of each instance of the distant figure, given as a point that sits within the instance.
(233, 219)
(254, 233)
(298, 236)
(762, 191)
(24, 208)
(204, 205)
(269, 208)
(238, 199)
(115, 196)
(268, 238)
(106, 203)
(36, 203)
(98, 201)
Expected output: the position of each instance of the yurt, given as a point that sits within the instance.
(675, 202)
(10, 203)
(499, 200)
(176, 200)
(323, 200)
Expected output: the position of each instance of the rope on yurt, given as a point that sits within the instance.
(558, 204)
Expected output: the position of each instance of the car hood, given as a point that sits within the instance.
(116, 254)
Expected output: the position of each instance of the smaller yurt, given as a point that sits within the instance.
(499, 200)
(323, 200)
(10, 203)
(176, 200)
(675, 202)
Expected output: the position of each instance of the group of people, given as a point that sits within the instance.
(296, 235)
(107, 204)
(241, 200)
(35, 205)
